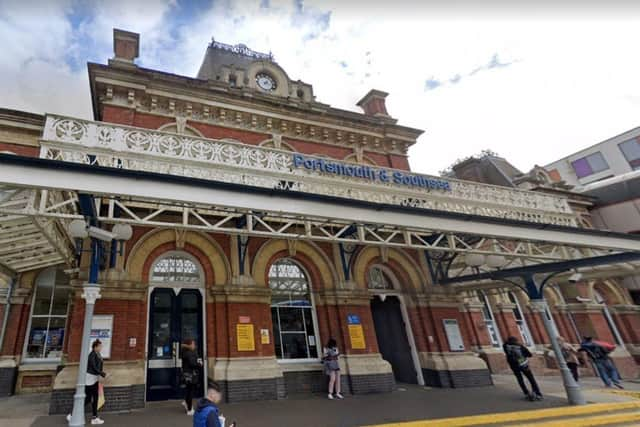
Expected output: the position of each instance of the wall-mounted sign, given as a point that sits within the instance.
(102, 329)
(353, 319)
(244, 319)
(454, 337)
(370, 173)
(246, 341)
(356, 335)
(133, 342)
(264, 336)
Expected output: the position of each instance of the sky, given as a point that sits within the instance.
(531, 81)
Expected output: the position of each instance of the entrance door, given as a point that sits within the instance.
(392, 338)
(173, 318)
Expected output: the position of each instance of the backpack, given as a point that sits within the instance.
(514, 354)
(608, 347)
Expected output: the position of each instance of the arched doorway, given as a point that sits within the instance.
(390, 325)
(176, 283)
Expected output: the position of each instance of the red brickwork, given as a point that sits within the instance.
(507, 324)
(16, 329)
(36, 381)
(129, 320)
(21, 150)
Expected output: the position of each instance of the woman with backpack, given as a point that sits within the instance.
(190, 373)
(518, 360)
(332, 367)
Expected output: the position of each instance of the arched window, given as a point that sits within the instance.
(294, 329)
(489, 320)
(176, 267)
(520, 321)
(48, 315)
(378, 279)
(605, 311)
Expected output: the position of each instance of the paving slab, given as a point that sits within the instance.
(408, 403)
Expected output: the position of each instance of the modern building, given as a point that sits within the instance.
(264, 223)
(609, 172)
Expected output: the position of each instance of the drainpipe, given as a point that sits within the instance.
(6, 311)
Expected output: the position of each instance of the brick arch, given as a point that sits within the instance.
(403, 266)
(209, 274)
(315, 262)
(611, 293)
(210, 255)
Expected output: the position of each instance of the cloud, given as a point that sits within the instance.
(531, 86)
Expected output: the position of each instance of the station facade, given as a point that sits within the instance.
(260, 308)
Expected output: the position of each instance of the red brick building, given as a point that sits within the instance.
(260, 308)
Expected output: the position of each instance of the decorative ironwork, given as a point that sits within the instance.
(176, 269)
(96, 143)
(378, 280)
(241, 49)
(288, 284)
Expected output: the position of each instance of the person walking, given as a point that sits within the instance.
(604, 365)
(207, 413)
(332, 368)
(190, 373)
(570, 355)
(518, 360)
(92, 384)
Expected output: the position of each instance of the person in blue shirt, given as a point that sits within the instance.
(207, 413)
(600, 357)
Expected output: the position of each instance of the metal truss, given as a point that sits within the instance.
(44, 208)
(33, 241)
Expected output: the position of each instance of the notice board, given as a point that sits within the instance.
(102, 329)
(246, 340)
(454, 337)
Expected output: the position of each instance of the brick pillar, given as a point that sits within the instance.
(442, 366)
(627, 319)
(244, 374)
(11, 351)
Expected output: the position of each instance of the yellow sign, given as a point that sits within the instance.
(264, 336)
(357, 337)
(246, 341)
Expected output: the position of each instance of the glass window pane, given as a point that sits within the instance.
(291, 319)
(175, 268)
(311, 336)
(37, 337)
(294, 346)
(161, 338)
(581, 167)
(597, 162)
(378, 279)
(55, 337)
(42, 301)
(60, 301)
(630, 149)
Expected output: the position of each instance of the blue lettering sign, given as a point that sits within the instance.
(353, 319)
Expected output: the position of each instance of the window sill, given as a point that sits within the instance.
(39, 365)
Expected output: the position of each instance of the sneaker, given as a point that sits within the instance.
(539, 397)
(620, 386)
(530, 397)
(330, 396)
(96, 421)
(339, 396)
(68, 418)
(190, 413)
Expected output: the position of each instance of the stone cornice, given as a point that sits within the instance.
(244, 110)
(624, 309)
(239, 294)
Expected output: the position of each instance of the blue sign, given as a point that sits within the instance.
(353, 319)
(370, 173)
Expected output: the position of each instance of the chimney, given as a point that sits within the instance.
(125, 46)
(373, 103)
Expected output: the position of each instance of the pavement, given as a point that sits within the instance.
(408, 403)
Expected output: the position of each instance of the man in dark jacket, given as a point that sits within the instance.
(207, 413)
(517, 357)
(600, 357)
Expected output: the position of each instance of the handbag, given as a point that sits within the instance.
(189, 378)
(100, 395)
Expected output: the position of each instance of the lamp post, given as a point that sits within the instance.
(572, 388)
(79, 230)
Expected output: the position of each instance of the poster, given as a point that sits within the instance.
(246, 341)
(454, 337)
(102, 328)
(357, 337)
(264, 336)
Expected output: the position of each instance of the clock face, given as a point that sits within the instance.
(265, 82)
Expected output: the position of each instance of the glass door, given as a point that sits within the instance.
(173, 318)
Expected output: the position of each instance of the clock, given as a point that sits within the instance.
(265, 82)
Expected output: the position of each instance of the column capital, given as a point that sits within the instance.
(91, 292)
